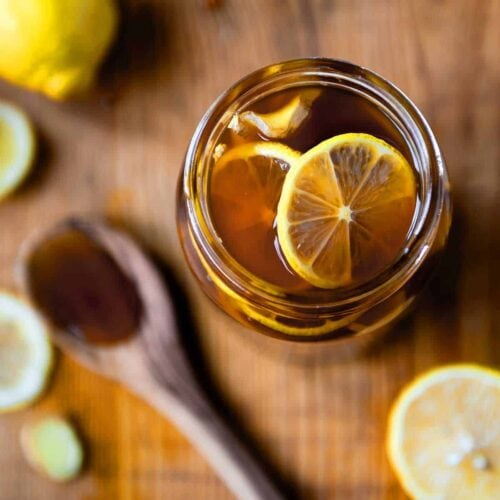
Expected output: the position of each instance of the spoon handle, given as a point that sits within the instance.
(195, 417)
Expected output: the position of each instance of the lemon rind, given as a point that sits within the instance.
(272, 150)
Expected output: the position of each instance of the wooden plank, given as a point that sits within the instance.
(322, 426)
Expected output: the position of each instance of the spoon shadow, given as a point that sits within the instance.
(190, 341)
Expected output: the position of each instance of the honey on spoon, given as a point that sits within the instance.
(82, 289)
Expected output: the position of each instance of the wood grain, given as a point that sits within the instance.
(321, 425)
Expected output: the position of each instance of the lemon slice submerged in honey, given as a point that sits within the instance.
(245, 188)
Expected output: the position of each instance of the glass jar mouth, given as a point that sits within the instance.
(426, 157)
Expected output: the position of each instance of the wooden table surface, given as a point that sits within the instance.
(118, 153)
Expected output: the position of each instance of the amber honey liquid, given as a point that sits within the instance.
(82, 290)
(243, 201)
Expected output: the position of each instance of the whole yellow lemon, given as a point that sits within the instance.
(55, 46)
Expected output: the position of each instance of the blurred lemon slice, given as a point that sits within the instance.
(444, 434)
(17, 147)
(284, 121)
(25, 353)
(345, 210)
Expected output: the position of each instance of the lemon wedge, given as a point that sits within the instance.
(345, 210)
(444, 434)
(26, 354)
(281, 123)
(52, 447)
(17, 147)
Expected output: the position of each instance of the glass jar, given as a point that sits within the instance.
(314, 315)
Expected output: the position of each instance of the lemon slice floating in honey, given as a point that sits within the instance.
(444, 434)
(17, 147)
(345, 210)
(26, 354)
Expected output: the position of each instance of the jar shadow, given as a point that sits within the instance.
(142, 45)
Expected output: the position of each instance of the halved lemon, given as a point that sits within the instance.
(17, 147)
(345, 210)
(444, 434)
(26, 354)
(282, 122)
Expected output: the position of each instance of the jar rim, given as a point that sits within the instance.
(424, 230)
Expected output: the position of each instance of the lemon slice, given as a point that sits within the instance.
(245, 186)
(17, 147)
(280, 123)
(52, 447)
(345, 210)
(25, 353)
(444, 434)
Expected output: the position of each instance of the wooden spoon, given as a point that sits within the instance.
(154, 366)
